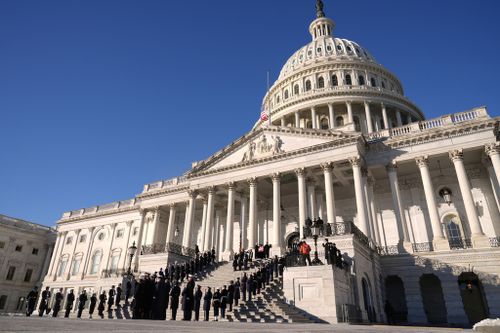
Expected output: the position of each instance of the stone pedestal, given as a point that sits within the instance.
(441, 245)
(480, 241)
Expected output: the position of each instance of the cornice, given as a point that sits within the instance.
(160, 192)
(98, 214)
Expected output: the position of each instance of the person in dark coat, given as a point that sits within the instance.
(223, 302)
(168, 287)
(82, 299)
(128, 291)
(236, 292)
(216, 304)
(235, 262)
(69, 303)
(139, 298)
(197, 302)
(44, 302)
(207, 300)
(230, 295)
(93, 302)
(174, 299)
(31, 301)
(158, 301)
(118, 295)
(102, 304)
(187, 299)
(57, 304)
(244, 281)
(111, 297)
(249, 287)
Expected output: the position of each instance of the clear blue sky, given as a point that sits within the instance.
(100, 97)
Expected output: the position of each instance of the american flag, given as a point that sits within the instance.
(263, 115)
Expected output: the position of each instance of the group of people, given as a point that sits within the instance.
(333, 255)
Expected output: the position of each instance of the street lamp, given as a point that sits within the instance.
(176, 232)
(131, 252)
(315, 233)
(445, 193)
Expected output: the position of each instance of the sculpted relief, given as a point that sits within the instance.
(262, 147)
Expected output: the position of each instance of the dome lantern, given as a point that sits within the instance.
(321, 26)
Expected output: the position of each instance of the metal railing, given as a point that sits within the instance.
(111, 273)
(422, 247)
(460, 243)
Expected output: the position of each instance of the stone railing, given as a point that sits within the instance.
(495, 241)
(422, 247)
(168, 248)
(111, 273)
(162, 184)
(101, 208)
(426, 125)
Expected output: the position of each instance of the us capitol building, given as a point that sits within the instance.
(412, 202)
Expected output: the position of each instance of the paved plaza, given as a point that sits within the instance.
(47, 324)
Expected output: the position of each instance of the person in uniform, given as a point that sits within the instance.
(44, 302)
(174, 299)
(197, 302)
(207, 300)
(223, 302)
(31, 301)
(102, 302)
(69, 303)
(82, 299)
(118, 295)
(230, 295)
(128, 291)
(93, 302)
(244, 281)
(236, 292)
(111, 297)
(216, 304)
(57, 304)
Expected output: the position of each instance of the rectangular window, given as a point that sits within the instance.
(76, 266)
(2, 245)
(19, 248)
(3, 301)
(35, 251)
(62, 267)
(119, 233)
(83, 238)
(114, 263)
(96, 262)
(27, 276)
(10, 273)
(136, 231)
(69, 240)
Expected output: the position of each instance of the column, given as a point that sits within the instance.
(368, 116)
(311, 198)
(276, 243)
(88, 252)
(398, 118)
(209, 219)
(113, 229)
(350, 118)
(369, 219)
(408, 118)
(153, 227)
(373, 210)
(229, 221)
(243, 221)
(297, 119)
(135, 266)
(282, 122)
(188, 223)
(331, 114)
(54, 256)
(70, 259)
(358, 188)
(215, 239)
(203, 224)
(495, 186)
(321, 206)
(397, 205)
(61, 248)
(171, 223)
(46, 261)
(457, 158)
(330, 199)
(384, 116)
(252, 213)
(313, 118)
(493, 151)
(301, 180)
(438, 240)
(126, 254)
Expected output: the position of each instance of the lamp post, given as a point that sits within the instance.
(131, 253)
(315, 233)
(176, 232)
(445, 193)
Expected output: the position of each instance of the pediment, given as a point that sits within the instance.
(265, 143)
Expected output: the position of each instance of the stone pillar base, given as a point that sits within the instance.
(227, 255)
(405, 247)
(441, 245)
(480, 241)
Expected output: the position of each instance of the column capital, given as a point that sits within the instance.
(172, 205)
(192, 193)
(313, 108)
(276, 177)
(456, 155)
(327, 166)
(252, 181)
(392, 166)
(356, 161)
(211, 190)
(422, 161)
(382, 104)
(129, 223)
(300, 172)
(231, 186)
(492, 149)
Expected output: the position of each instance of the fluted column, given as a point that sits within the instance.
(373, 210)
(188, 223)
(243, 217)
(277, 244)
(301, 180)
(387, 125)
(297, 119)
(153, 227)
(331, 115)
(493, 152)
(311, 198)
(209, 218)
(252, 213)
(356, 163)
(313, 118)
(350, 118)
(88, 252)
(397, 205)
(368, 116)
(171, 223)
(229, 221)
(203, 224)
(330, 198)
(54, 255)
(423, 165)
(463, 181)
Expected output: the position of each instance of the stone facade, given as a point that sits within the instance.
(341, 142)
(25, 252)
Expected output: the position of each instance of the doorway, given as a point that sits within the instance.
(433, 299)
(473, 299)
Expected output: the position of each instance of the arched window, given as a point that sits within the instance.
(296, 89)
(286, 94)
(373, 82)
(357, 125)
(308, 85)
(277, 98)
(309, 124)
(348, 79)
(335, 81)
(361, 80)
(321, 82)
(324, 124)
(96, 262)
(339, 121)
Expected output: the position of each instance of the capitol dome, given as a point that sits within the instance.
(336, 84)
